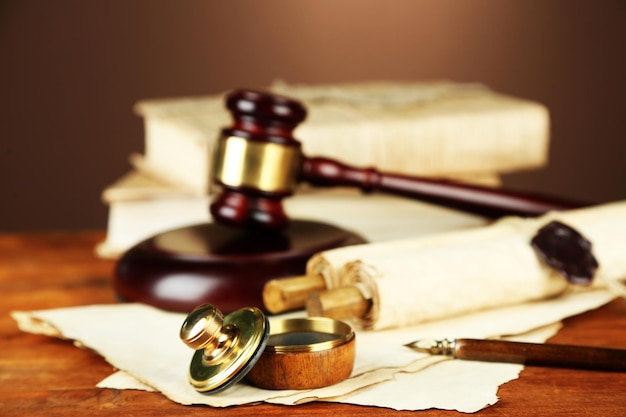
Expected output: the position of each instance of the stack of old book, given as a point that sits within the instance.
(464, 132)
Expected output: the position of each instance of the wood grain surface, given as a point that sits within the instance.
(43, 376)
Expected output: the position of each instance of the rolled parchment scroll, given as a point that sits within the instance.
(407, 282)
(324, 269)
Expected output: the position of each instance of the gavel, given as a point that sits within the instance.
(258, 162)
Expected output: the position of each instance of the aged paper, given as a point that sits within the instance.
(143, 342)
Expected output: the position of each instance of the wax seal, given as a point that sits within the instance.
(299, 353)
(567, 251)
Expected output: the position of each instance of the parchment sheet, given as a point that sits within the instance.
(143, 342)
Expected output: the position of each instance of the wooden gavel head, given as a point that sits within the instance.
(257, 160)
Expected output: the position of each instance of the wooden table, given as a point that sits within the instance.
(43, 376)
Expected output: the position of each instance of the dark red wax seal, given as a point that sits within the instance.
(567, 251)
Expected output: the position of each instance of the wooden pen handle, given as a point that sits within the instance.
(552, 355)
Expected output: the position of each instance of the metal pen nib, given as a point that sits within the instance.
(433, 346)
(538, 354)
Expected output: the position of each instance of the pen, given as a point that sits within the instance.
(552, 355)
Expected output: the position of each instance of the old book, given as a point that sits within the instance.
(432, 129)
(140, 207)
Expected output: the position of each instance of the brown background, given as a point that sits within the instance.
(70, 71)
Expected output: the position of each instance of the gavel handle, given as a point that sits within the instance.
(484, 201)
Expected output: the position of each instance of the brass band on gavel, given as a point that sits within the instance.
(267, 166)
(405, 282)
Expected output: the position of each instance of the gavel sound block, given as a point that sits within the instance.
(183, 268)
(257, 163)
